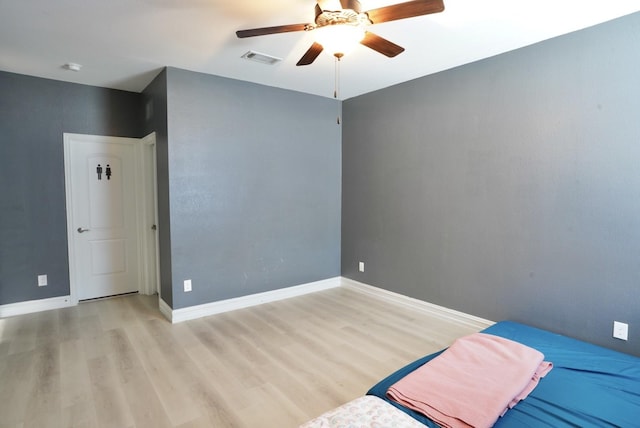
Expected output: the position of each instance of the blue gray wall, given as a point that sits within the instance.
(34, 114)
(508, 188)
(254, 189)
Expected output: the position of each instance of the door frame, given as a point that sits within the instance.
(151, 260)
(146, 208)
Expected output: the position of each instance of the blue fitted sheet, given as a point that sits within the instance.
(589, 386)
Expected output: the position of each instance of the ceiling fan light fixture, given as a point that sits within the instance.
(339, 38)
(340, 25)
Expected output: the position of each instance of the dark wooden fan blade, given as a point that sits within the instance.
(311, 54)
(270, 30)
(378, 44)
(405, 10)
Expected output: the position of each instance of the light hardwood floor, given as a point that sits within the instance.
(119, 363)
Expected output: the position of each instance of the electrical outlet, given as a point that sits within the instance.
(361, 266)
(42, 280)
(187, 285)
(620, 330)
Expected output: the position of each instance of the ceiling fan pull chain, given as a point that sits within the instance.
(337, 79)
(336, 76)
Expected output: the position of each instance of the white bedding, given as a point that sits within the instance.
(364, 412)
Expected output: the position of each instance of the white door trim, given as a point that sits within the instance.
(151, 255)
(141, 205)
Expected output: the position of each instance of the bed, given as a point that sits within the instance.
(589, 386)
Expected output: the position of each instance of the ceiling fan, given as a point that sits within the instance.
(342, 19)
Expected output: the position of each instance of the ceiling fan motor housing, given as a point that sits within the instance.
(350, 13)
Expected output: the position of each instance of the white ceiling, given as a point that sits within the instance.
(123, 44)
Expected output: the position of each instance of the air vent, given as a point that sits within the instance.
(72, 66)
(261, 58)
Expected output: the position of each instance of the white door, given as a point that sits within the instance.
(102, 187)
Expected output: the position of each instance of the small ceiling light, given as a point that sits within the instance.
(72, 66)
(340, 38)
(261, 58)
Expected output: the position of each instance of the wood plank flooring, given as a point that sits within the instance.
(119, 363)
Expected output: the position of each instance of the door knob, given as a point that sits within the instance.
(81, 230)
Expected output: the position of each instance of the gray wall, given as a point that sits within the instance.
(254, 187)
(508, 188)
(34, 113)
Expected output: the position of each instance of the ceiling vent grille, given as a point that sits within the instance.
(261, 58)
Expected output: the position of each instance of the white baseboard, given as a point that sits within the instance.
(421, 305)
(199, 311)
(30, 306)
(193, 312)
(164, 308)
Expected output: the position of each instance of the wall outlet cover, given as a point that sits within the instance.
(620, 330)
(42, 280)
(187, 285)
(361, 266)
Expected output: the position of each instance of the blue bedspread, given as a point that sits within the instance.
(589, 386)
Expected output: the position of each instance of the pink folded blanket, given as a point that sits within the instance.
(474, 382)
